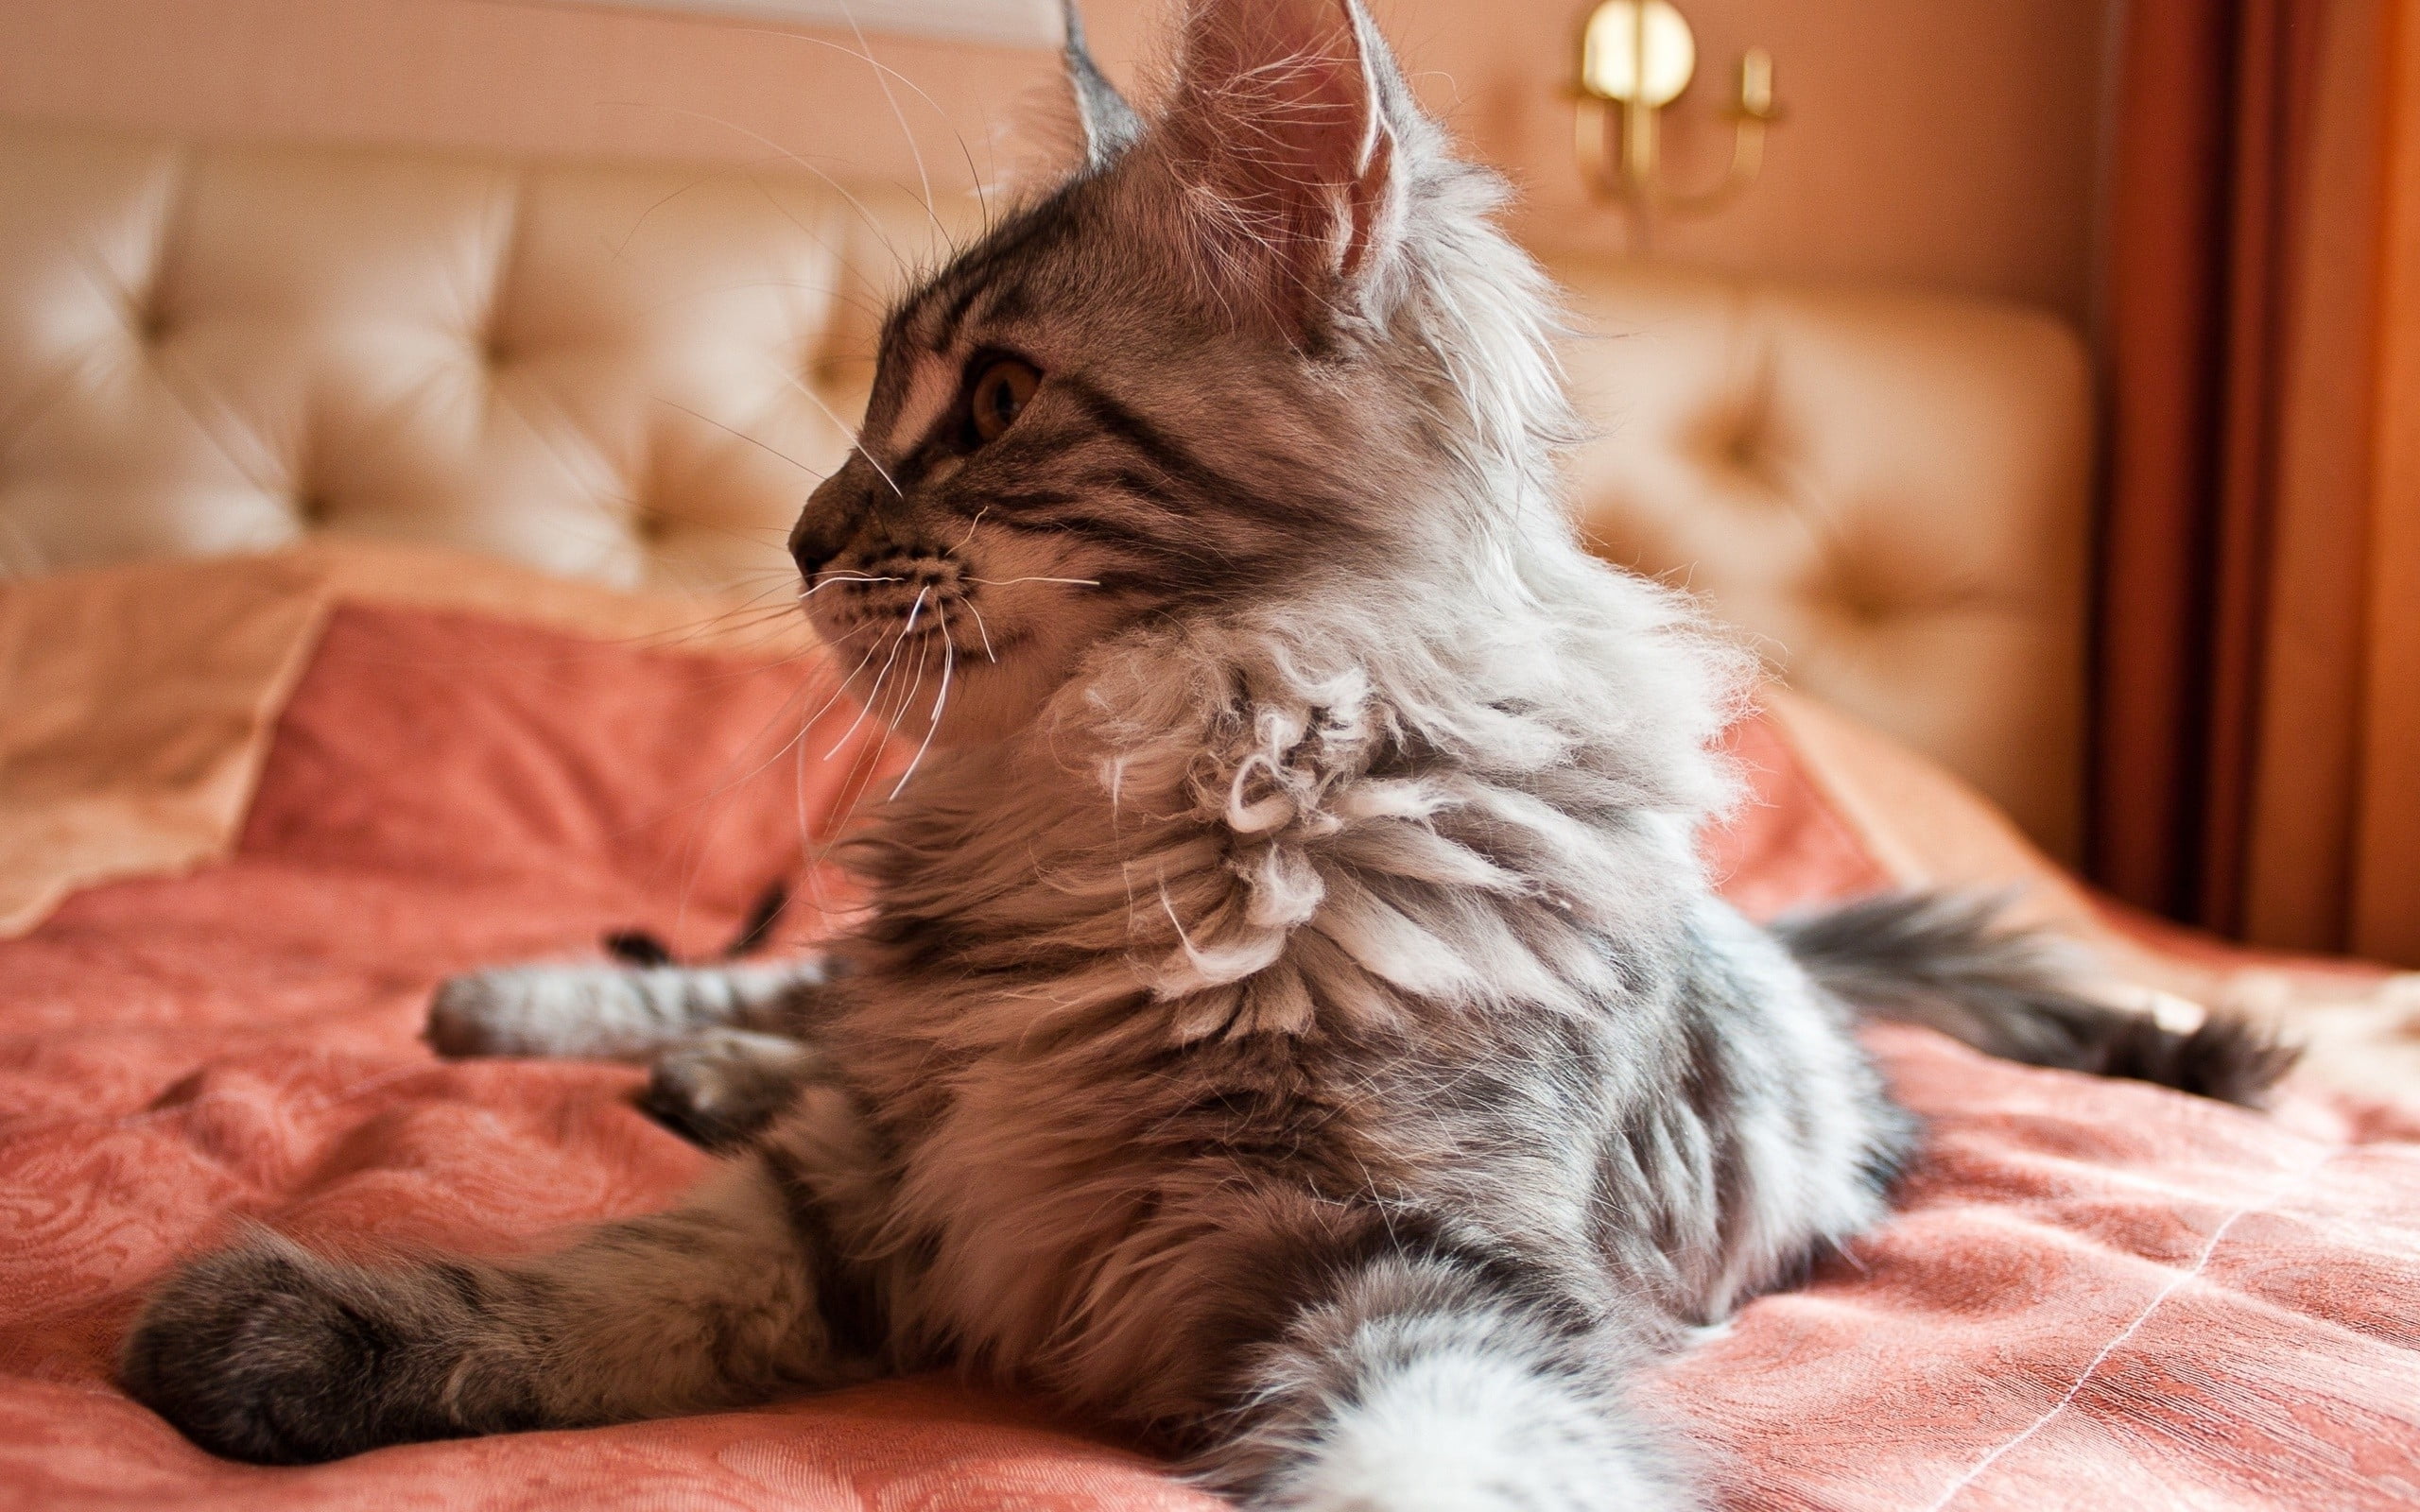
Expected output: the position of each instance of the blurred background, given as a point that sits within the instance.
(1955, 147)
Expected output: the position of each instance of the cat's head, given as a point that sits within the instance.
(1264, 342)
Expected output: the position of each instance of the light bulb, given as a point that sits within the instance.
(1622, 35)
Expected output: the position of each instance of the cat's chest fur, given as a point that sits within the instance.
(1094, 1009)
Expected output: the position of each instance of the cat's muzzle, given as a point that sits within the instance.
(911, 589)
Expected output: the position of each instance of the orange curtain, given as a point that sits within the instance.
(2386, 868)
(2244, 696)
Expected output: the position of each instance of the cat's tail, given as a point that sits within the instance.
(1438, 1383)
(1952, 962)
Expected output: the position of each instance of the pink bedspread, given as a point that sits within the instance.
(2096, 1294)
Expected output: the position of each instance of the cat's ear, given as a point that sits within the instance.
(1289, 129)
(1110, 124)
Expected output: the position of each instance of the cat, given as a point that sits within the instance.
(1293, 1024)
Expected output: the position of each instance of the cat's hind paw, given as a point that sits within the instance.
(267, 1353)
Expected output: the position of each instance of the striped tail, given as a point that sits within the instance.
(1951, 962)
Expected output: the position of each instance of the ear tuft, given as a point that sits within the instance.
(1287, 133)
(1110, 124)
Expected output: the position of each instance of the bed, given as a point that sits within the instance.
(384, 530)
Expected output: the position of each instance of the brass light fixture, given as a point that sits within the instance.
(1635, 59)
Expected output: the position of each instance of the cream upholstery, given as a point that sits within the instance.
(604, 371)
(622, 374)
(1890, 491)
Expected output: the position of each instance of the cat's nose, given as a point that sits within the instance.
(833, 513)
(809, 550)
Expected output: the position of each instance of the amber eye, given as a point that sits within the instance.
(1000, 394)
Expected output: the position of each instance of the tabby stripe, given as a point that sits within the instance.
(974, 271)
(1026, 499)
(1009, 302)
(1195, 481)
(1106, 531)
(1174, 459)
(1705, 1080)
(851, 1312)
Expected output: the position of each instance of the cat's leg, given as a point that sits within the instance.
(725, 1086)
(272, 1353)
(615, 1012)
(1427, 1383)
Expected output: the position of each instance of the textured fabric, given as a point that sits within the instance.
(1917, 826)
(2097, 1294)
(140, 700)
(94, 785)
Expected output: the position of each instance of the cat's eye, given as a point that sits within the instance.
(1001, 391)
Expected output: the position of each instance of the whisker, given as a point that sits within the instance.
(1005, 582)
(804, 728)
(846, 429)
(941, 701)
(973, 175)
(846, 578)
(924, 657)
(842, 686)
(924, 181)
(808, 868)
(984, 630)
(871, 221)
(857, 783)
(697, 844)
(905, 631)
(743, 436)
(866, 701)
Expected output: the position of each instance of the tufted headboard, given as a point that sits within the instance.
(635, 374)
(627, 374)
(1890, 492)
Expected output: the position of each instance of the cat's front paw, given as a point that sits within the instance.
(725, 1086)
(517, 1010)
(615, 1012)
(260, 1354)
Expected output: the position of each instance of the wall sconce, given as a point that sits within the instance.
(1635, 58)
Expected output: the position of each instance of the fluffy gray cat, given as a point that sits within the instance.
(1294, 1025)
